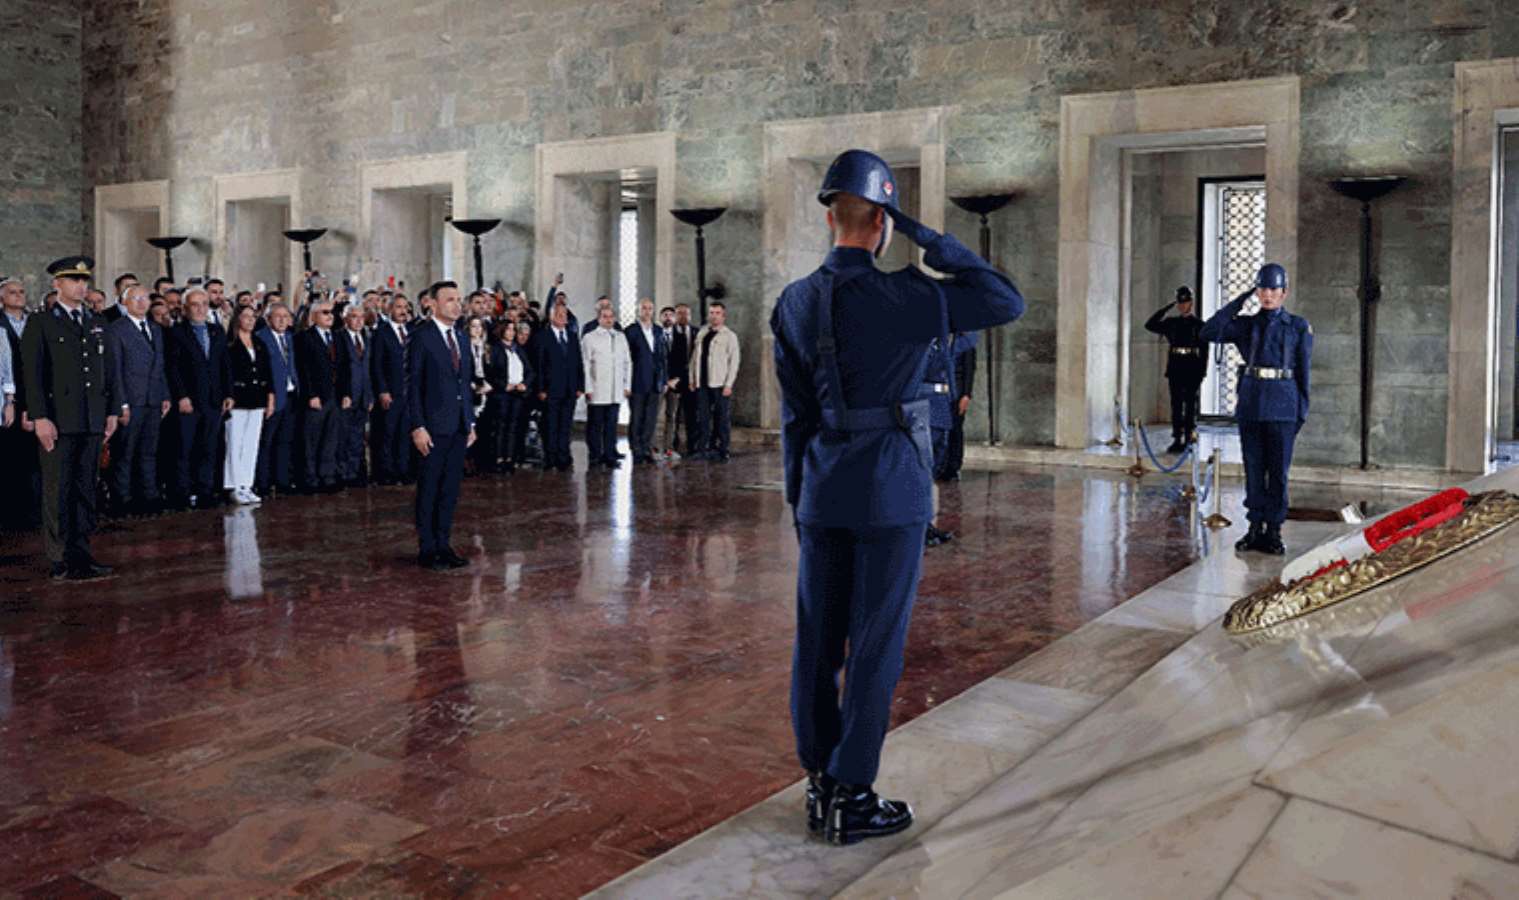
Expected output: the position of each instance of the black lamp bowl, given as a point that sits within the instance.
(983, 204)
(305, 235)
(701, 216)
(167, 243)
(1367, 188)
(475, 227)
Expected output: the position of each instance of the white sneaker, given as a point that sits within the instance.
(252, 498)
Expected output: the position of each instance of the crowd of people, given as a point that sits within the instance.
(234, 397)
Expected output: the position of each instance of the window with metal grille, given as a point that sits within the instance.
(627, 266)
(1235, 218)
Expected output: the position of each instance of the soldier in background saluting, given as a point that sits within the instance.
(68, 367)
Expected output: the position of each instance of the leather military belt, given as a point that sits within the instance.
(1186, 351)
(937, 387)
(1265, 374)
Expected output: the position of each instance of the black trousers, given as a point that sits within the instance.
(954, 453)
(558, 416)
(394, 455)
(508, 426)
(601, 431)
(321, 431)
(199, 437)
(351, 443)
(20, 479)
(69, 473)
(643, 415)
(275, 442)
(696, 429)
(438, 491)
(713, 413)
(134, 456)
(1184, 405)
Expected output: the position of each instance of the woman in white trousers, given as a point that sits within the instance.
(252, 403)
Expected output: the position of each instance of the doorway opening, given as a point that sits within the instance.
(1195, 217)
(257, 250)
(1505, 451)
(411, 244)
(126, 215)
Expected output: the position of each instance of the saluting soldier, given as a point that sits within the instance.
(1273, 399)
(68, 366)
(852, 349)
(1186, 364)
(940, 385)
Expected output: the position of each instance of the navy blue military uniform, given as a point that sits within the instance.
(1273, 399)
(1186, 366)
(68, 366)
(852, 348)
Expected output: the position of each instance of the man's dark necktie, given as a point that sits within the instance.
(332, 349)
(453, 347)
(146, 334)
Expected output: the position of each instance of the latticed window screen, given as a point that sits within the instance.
(627, 266)
(1241, 253)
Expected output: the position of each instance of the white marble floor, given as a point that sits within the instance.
(1151, 755)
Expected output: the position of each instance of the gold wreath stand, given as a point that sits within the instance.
(1274, 604)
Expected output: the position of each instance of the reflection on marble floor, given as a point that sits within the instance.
(290, 704)
(1368, 756)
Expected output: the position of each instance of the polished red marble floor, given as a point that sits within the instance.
(278, 701)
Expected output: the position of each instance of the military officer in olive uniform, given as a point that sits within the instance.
(852, 350)
(1273, 399)
(68, 366)
(1186, 364)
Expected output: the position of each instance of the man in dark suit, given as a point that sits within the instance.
(122, 284)
(353, 353)
(277, 438)
(19, 477)
(142, 389)
(67, 371)
(648, 349)
(393, 454)
(202, 394)
(438, 371)
(561, 381)
(324, 387)
(682, 339)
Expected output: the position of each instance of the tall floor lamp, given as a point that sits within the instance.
(984, 205)
(474, 228)
(700, 218)
(167, 245)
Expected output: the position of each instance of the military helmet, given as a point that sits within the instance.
(863, 174)
(1183, 294)
(1271, 275)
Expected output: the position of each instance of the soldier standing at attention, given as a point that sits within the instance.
(852, 349)
(1273, 399)
(68, 367)
(1186, 364)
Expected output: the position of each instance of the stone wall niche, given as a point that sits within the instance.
(1096, 131)
(796, 155)
(582, 186)
(403, 206)
(1486, 102)
(126, 215)
(249, 247)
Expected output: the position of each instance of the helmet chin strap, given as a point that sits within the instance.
(886, 234)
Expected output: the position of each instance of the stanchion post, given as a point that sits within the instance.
(1190, 491)
(1138, 469)
(1117, 439)
(1216, 521)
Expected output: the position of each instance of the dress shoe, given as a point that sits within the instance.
(1176, 446)
(1271, 541)
(452, 560)
(936, 536)
(426, 560)
(58, 571)
(948, 476)
(86, 569)
(1251, 539)
(819, 792)
(856, 813)
(614, 464)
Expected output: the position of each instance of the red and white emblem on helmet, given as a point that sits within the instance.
(887, 188)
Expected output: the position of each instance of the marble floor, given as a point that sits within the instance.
(277, 700)
(1364, 752)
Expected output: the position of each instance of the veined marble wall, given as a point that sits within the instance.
(189, 89)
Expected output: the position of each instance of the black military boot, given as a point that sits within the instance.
(1271, 541)
(856, 812)
(1176, 445)
(1251, 540)
(819, 793)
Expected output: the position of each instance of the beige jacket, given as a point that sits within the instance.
(723, 368)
